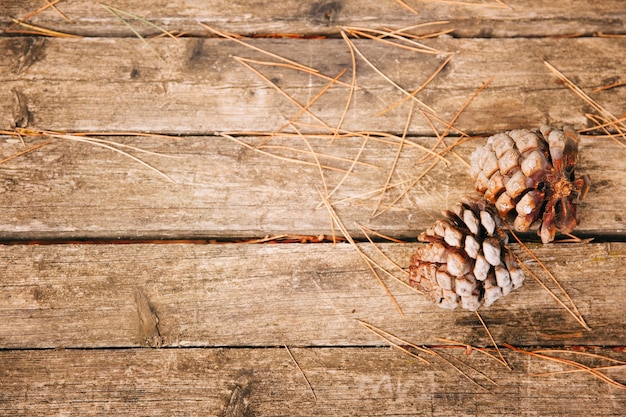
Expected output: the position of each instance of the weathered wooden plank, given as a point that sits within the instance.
(241, 382)
(120, 85)
(70, 190)
(523, 18)
(269, 295)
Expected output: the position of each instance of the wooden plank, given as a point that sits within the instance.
(70, 190)
(269, 295)
(120, 85)
(523, 18)
(242, 382)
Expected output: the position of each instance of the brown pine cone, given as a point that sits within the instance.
(466, 260)
(529, 176)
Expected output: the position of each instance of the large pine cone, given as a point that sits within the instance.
(529, 176)
(466, 260)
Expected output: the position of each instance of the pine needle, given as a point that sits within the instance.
(350, 169)
(471, 348)
(502, 360)
(379, 72)
(282, 158)
(615, 123)
(383, 35)
(306, 70)
(25, 151)
(118, 12)
(52, 4)
(573, 311)
(596, 373)
(390, 338)
(282, 92)
(118, 15)
(37, 30)
(111, 146)
(406, 6)
(609, 86)
(363, 256)
(301, 372)
(310, 103)
(418, 89)
(255, 48)
(322, 176)
(344, 113)
(392, 169)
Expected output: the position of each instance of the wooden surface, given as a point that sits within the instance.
(111, 300)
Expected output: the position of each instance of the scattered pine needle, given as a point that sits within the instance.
(282, 92)
(392, 169)
(37, 30)
(255, 48)
(382, 74)
(375, 233)
(581, 367)
(406, 6)
(390, 338)
(322, 176)
(118, 14)
(346, 107)
(614, 121)
(573, 311)
(282, 158)
(398, 267)
(418, 89)
(310, 103)
(469, 348)
(113, 146)
(52, 4)
(383, 35)
(301, 372)
(609, 86)
(306, 70)
(116, 11)
(502, 360)
(350, 169)
(363, 256)
(25, 151)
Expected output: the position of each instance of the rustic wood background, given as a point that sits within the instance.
(113, 299)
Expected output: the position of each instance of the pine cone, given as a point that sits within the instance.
(529, 176)
(466, 260)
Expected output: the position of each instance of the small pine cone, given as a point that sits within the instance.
(466, 260)
(529, 176)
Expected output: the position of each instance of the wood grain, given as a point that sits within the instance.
(69, 190)
(78, 296)
(120, 85)
(244, 382)
(324, 17)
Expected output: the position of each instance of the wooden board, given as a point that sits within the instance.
(75, 319)
(244, 382)
(324, 17)
(101, 296)
(201, 89)
(223, 190)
